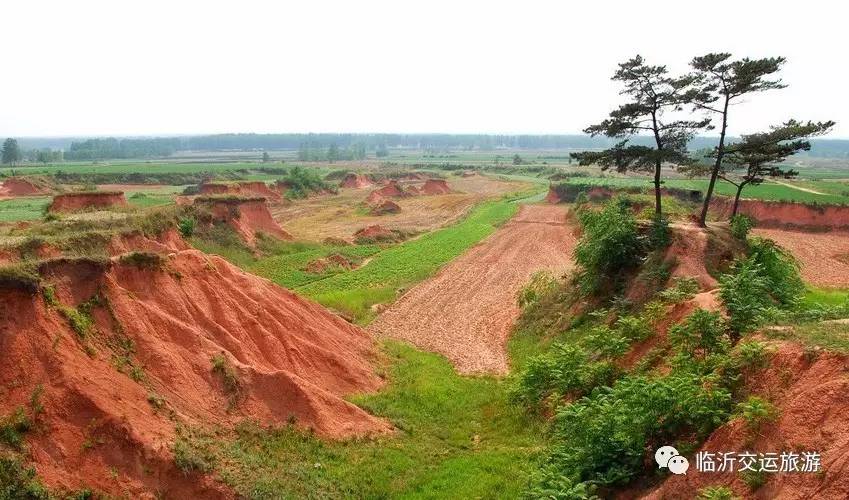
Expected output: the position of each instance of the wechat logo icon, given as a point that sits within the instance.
(668, 457)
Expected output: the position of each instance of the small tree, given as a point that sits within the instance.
(333, 153)
(721, 82)
(517, 160)
(11, 152)
(653, 95)
(265, 157)
(758, 156)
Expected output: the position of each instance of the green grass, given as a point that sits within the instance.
(825, 296)
(458, 437)
(399, 266)
(766, 191)
(23, 209)
(286, 269)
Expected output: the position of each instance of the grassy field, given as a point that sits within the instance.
(832, 193)
(458, 437)
(397, 267)
(23, 209)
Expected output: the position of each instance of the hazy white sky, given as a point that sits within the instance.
(113, 67)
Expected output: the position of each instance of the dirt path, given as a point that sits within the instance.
(466, 311)
(798, 188)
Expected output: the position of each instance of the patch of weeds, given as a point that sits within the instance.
(222, 367)
(716, 493)
(756, 411)
(193, 451)
(143, 260)
(13, 427)
(20, 277)
(156, 401)
(20, 481)
(751, 354)
(683, 288)
(754, 479)
(49, 293)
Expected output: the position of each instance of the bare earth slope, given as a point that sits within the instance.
(465, 312)
(823, 257)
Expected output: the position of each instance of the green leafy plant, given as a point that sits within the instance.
(716, 493)
(741, 225)
(186, 226)
(702, 334)
(756, 411)
(609, 245)
(745, 293)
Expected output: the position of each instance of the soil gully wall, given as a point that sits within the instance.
(70, 202)
(246, 215)
(286, 360)
(785, 214)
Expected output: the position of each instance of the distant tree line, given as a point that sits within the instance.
(315, 152)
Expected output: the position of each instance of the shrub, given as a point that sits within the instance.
(751, 353)
(564, 370)
(222, 367)
(19, 481)
(603, 437)
(186, 225)
(780, 269)
(634, 328)
(684, 288)
(301, 182)
(741, 225)
(609, 245)
(13, 427)
(745, 293)
(756, 411)
(605, 342)
(659, 234)
(702, 334)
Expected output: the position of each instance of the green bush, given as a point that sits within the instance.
(609, 245)
(564, 370)
(751, 353)
(634, 328)
(780, 269)
(186, 225)
(13, 427)
(756, 411)
(741, 225)
(301, 182)
(603, 437)
(701, 335)
(684, 288)
(19, 482)
(745, 293)
(659, 234)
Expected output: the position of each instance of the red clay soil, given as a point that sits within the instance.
(821, 256)
(321, 265)
(552, 196)
(247, 216)
(435, 186)
(391, 190)
(374, 233)
(786, 214)
(98, 200)
(291, 359)
(168, 242)
(16, 186)
(248, 188)
(385, 207)
(356, 181)
(812, 397)
(690, 249)
(466, 311)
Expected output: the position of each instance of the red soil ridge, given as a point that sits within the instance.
(435, 186)
(247, 216)
(374, 232)
(251, 188)
(783, 214)
(101, 200)
(385, 207)
(16, 186)
(811, 393)
(391, 190)
(552, 196)
(292, 359)
(356, 181)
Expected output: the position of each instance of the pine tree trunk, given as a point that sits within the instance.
(737, 200)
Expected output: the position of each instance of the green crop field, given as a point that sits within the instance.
(354, 292)
(833, 192)
(23, 209)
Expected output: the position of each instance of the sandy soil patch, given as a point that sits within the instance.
(466, 311)
(340, 215)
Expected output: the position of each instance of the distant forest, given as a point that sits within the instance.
(116, 148)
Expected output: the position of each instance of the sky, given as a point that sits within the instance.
(156, 67)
